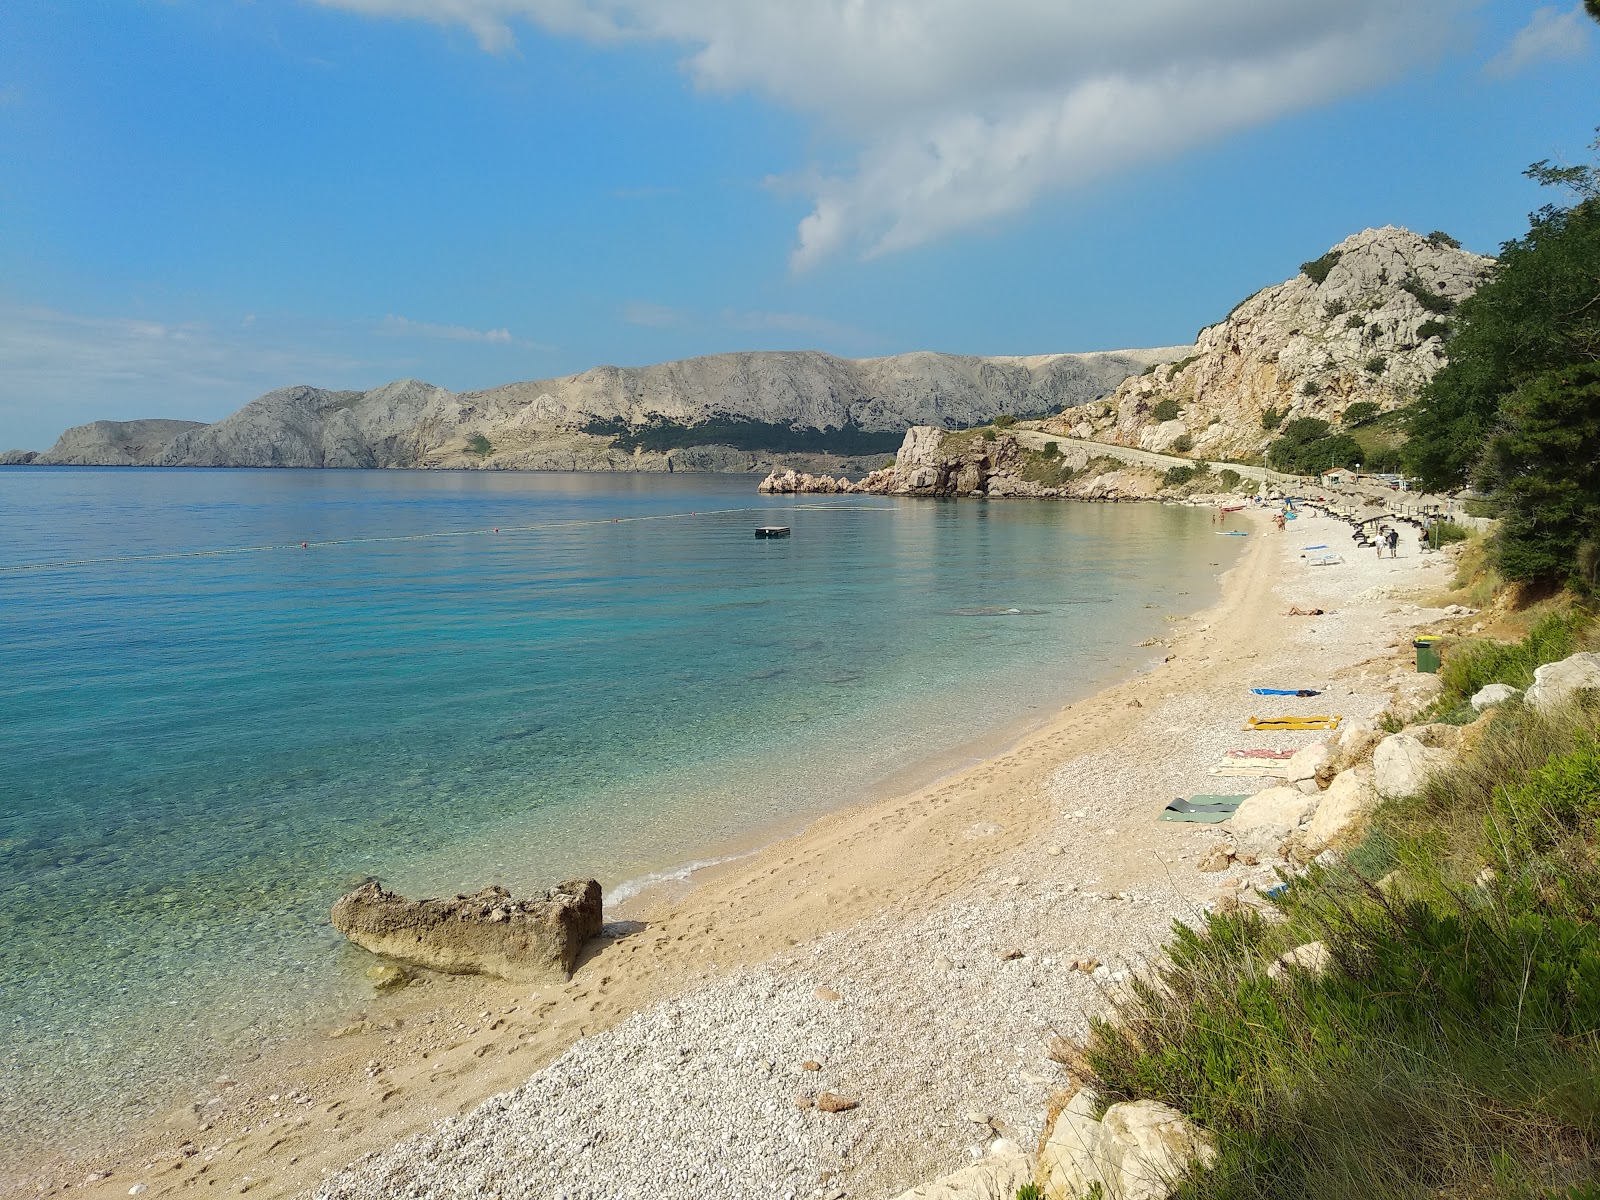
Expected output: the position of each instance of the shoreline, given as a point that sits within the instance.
(439, 1050)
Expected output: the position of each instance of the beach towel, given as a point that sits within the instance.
(1284, 692)
(1318, 546)
(1327, 560)
(1202, 810)
(1277, 754)
(1291, 724)
(1237, 770)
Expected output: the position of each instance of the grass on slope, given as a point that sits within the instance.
(1453, 1048)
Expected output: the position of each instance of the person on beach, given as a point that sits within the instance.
(1394, 543)
(1382, 538)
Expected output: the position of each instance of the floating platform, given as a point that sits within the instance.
(772, 531)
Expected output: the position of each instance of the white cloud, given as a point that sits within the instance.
(405, 327)
(959, 113)
(1550, 36)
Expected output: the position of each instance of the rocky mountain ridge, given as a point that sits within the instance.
(572, 423)
(1367, 321)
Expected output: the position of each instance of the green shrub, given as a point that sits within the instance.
(1318, 268)
(479, 445)
(1029, 1191)
(1335, 308)
(1427, 297)
(1470, 666)
(1440, 238)
(1355, 321)
(1433, 329)
(1359, 413)
(1165, 410)
(1178, 476)
(1375, 365)
(1443, 533)
(1051, 450)
(986, 433)
(1311, 388)
(1229, 478)
(1271, 418)
(1182, 444)
(1306, 447)
(1555, 800)
(1004, 421)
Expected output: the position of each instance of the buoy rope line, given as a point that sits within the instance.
(422, 537)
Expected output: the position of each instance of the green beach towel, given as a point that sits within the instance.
(1202, 810)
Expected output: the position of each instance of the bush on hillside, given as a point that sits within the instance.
(1182, 444)
(1228, 478)
(1427, 297)
(1433, 329)
(1358, 413)
(1376, 365)
(480, 445)
(1271, 418)
(1318, 268)
(1004, 421)
(1440, 238)
(1178, 476)
(1165, 410)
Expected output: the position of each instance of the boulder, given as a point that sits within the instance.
(1313, 958)
(1349, 797)
(1556, 683)
(1495, 693)
(1308, 763)
(1401, 765)
(1413, 693)
(1265, 820)
(486, 933)
(997, 1177)
(1134, 1152)
(1161, 438)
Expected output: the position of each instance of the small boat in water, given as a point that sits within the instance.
(772, 531)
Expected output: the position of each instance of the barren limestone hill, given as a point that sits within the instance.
(584, 422)
(1367, 321)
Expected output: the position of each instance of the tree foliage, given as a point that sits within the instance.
(1539, 312)
(1543, 468)
(1308, 446)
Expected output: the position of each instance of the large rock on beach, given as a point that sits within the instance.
(1349, 798)
(1135, 1152)
(997, 1177)
(1269, 818)
(1493, 694)
(487, 933)
(1554, 684)
(1401, 764)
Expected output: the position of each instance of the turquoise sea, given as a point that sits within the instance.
(208, 732)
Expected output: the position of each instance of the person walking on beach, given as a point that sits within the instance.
(1394, 542)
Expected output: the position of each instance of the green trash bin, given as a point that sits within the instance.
(1427, 654)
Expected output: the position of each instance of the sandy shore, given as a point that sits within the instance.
(918, 950)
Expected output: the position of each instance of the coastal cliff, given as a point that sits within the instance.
(1367, 321)
(934, 462)
(726, 412)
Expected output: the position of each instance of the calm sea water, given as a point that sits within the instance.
(199, 753)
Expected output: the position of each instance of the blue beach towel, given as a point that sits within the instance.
(1284, 692)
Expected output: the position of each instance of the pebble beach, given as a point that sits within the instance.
(849, 1012)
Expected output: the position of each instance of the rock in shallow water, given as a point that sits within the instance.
(487, 933)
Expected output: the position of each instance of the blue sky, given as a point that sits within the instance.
(203, 199)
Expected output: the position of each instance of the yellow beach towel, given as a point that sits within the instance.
(1293, 723)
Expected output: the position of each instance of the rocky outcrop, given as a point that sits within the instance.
(570, 423)
(114, 443)
(18, 458)
(934, 462)
(1370, 328)
(1137, 1151)
(486, 933)
(1557, 683)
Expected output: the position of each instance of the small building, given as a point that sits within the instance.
(1338, 475)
